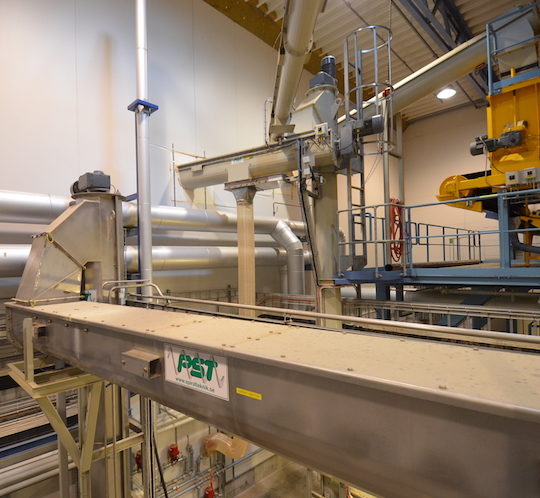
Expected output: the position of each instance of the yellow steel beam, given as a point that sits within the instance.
(60, 428)
(91, 424)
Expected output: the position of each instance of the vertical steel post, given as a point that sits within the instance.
(144, 201)
(144, 205)
(387, 259)
(147, 410)
(504, 235)
(399, 155)
(63, 470)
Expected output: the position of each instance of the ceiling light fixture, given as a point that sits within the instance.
(446, 93)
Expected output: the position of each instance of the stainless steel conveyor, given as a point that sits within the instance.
(396, 416)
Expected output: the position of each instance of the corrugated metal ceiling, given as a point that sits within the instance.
(412, 47)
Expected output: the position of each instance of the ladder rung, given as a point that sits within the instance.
(357, 188)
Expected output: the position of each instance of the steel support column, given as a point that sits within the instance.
(505, 250)
(246, 247)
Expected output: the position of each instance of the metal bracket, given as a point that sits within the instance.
(147, 107)
(142, 363)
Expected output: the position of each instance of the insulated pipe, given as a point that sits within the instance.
(12, 259)
(295, 257)
(19, 233)
(14, 233)
(182, 218)
(9, 286)
(182, 258)
(300, 19)
(270, 162)
(188, 238)
(25, 207)
(29, 208)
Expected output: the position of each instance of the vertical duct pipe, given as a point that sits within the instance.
(246, 247)
(144, 212)
(284, 236)
(300, 19)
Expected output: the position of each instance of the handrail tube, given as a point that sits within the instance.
(473, 310)
(384, 325)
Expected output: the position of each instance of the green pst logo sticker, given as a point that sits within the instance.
(197, 367)
(197, 370)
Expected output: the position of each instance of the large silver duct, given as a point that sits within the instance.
(24, 207)
(19, 233)
(253, 163)
(189, 238)
(299, 23)
(29, 208)
(13, 258)
(182, 258)
(453, 65)
(15, 233)
(165, 219)
(9, 286)
(183, 218)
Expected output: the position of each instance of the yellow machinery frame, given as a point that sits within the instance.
(515, 108)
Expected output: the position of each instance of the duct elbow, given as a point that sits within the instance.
(284, 236)
(232, 447)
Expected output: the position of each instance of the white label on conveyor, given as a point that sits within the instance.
(202, 372)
